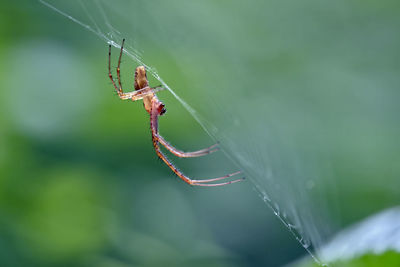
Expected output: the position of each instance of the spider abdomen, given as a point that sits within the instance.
(141, 78)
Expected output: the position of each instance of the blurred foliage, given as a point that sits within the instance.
(80, 184)
(389, 259)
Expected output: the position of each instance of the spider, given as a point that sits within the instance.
(156, 109)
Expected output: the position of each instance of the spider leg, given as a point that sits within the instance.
(182, 154)
(154, 114)
(119, 64)
(226, 183)
(141, 93)
(109, 70)
(118, 89)
(216, 179)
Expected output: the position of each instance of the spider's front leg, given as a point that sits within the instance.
(154, 114)
(118, 89)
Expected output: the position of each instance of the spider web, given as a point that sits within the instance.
(267, 134)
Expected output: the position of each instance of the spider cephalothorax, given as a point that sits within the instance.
(156, 108)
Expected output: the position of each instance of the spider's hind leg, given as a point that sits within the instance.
(182, 154)
(154, 114)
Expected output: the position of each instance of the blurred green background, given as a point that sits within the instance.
(80, 184)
